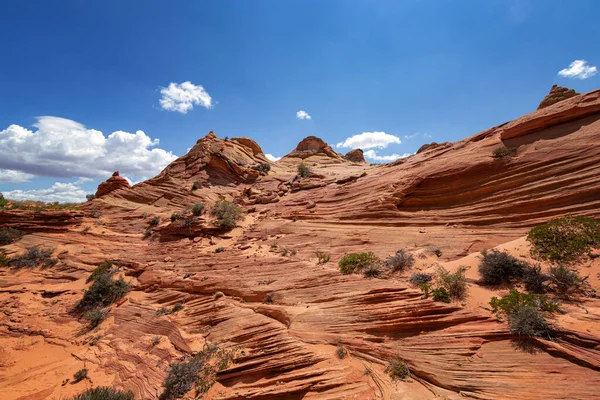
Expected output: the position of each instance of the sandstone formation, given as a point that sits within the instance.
(355, 155)
(113, 183)
(557, 93)
(259, 290)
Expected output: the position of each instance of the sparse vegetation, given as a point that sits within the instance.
(419, 278)
(4, 261)
(80, 375)
(454, 283)
(34, 257)
(425, 288)
(155, 340)
(534, 279)
(227, 214)
(501, 152)
(564, 239)
(155, 221)
(565, 280)
(219, 249)
(499, 266)
(528, 321)
(401, 260)
(515, 300)
(398, 369)
(177, 307)
(304, 171)
(95, 317)
(9, 235)
(340, 352)
(356, 262)
(322, 257)
(103, 292)
(196, 185)
(103, 393)
(175, 217)
(523, 312)
(372, 271)
(6, 204)
(198, 209)
(433, 249)
(90, 196)
(99, 270)
(166, 311)
(263, 167)
(440, 294)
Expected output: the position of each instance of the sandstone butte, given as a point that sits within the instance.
(286, 314)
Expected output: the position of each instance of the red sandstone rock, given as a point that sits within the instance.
(113, 183)
(557, 93)
(355, 155)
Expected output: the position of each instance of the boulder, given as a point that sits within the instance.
(113, 183)
(355, 155)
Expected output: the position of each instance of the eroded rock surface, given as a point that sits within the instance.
(557, 93)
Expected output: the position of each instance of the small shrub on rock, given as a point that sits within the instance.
(219, 249)
(398, 369)
(155, 221)
(196, 185)
(323, 257)
(99, 270)
(372, 271)
(565, 280)
(440, 294)
(356, 262)
(80, 375)
(103, 393)
(181, 378)
(198, 209)
(528, 321)
(454, 283)
(534, 279)
(499, 266)
(227, 214)
(263, 167)
(340, 352)
(95, 317)
(9, 235)
(433, 249)
(34, 257)
(4, 261)
(419, 278)
(401, 260)
(175, 217)
(564, 239)
(103, 292)
(304, 171)
(501, 152)
(510, 303)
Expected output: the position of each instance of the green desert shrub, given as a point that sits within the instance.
(263, 167)
(175, 217)
(499, 266)
(440, 294)
(419, 278)
(9, 235)
(198, 209)
(398, 369)
(155, 221)
(340, 352)
(181, 378)
(4, 261)
(510, 303)
(534, 279)
(400, 261)
(304, 171)
(454, 283)
(564, 239)
(433, 249)
(80, 375)
(103, 292)
(103, 393)
(196, 185)
(356, 262)
(95, 317)
(177, 307)
(372, 271)
(501, 152)
(525, 312)
(323, 257)
(90, 196)
(565, 280)
(3, 201)
(99, 270)
(227, 214)
(34, 257)
(528, 321)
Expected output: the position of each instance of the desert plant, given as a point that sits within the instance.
(181, 378)
(95, 317)
(501, 152)
(198, 209)
(227, 214)
(9, 235)
(177, 307)
(4, 261)
(284, 252)
(419, 278)
(565, 280)
(499, 266)
(398, 369)
(34, 257)
(454, 283)
(196, 185)
(99, 270)
(304, 171)
(340, 352)
(103, 292)
(564, 239)
(440, 294)
(372, 271)
(188, 222)
(103, 393)
(323, 257)
(3, 201)
(433, 249)
(155, 340)
(155, 221)
(528, 321)
(163, 311)
(534, 279)
(263, 167)
(510, 303)
(175, 216)
(90, 196)
(219, 249)
(400, 261)
(355, 262)
(425, 288)
(80, 375)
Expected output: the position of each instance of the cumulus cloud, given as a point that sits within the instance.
(372, 155)
(61, 192)
(369, 140)
(64, 148)
(578, 69)
(11, 176)
(272, 157)
(182, 97)
(303, 115)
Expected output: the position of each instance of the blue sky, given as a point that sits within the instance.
(420, 71)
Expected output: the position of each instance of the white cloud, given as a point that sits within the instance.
(368, 140)
(578, 69)
(64, 148)
(272, 157)
(414, 135)
(12, 176)
(181, 97)
(303, 115)
(61, 192)
(372, 155)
